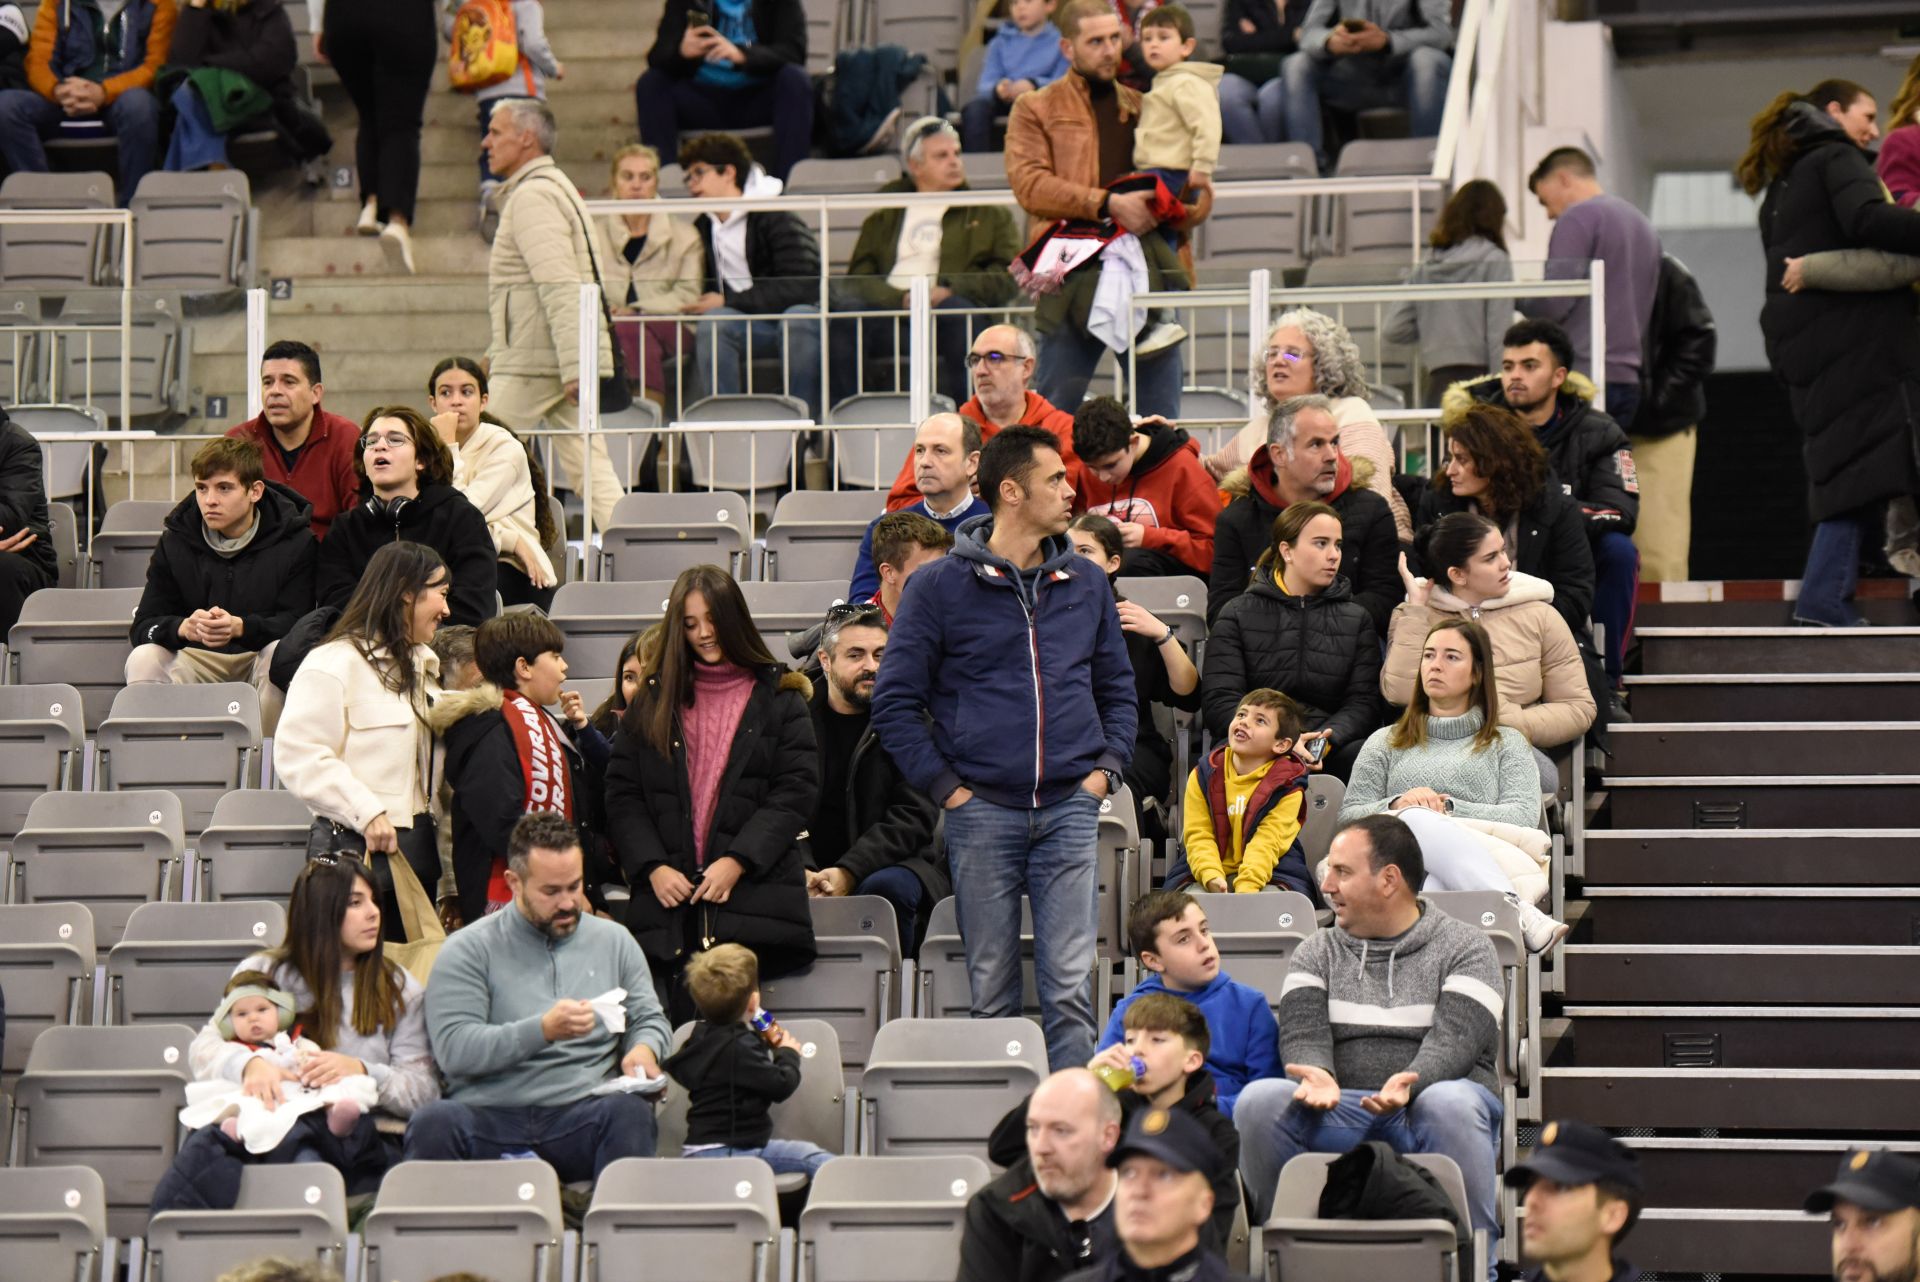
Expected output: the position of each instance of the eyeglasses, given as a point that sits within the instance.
(853, 610)
(1291, 355)
(392, 440)
(976, 359)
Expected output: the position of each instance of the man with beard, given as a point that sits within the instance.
(1581, 1190)
(1874, 1204)
(1051, 1213)
(872, 833)
(519, 1066)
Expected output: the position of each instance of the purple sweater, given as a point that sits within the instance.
(1615, 232)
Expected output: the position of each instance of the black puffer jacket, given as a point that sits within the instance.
(1320, 651)
(1369, 552)
(1850, 362)
(23, 496)
(891, 822)
(783, 257)
(1681, 346)
(1014, 1233)
(766, 797)
(1588, 452)
(268, 584)
(441, 518)
(1551, 543)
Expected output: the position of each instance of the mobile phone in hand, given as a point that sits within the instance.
(698, 18)
(1314, 749)
(1353, 26)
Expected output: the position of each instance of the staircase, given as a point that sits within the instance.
(1741, 999)
(379, 334)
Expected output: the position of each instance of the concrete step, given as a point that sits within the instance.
(355, 334)
(1742, 1172)
(602, 73)
(1778, 649)
(581, 109)
(1740, 1037)
(361, 257)
(1721, 1243)
(419, 295)
(1772, 1099)
(1744, 974)
(1758, 747)
(1753, 857)
(1879, 915)
(1763, 801)
(1786, 696)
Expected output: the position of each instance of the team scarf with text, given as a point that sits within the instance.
(543, 775)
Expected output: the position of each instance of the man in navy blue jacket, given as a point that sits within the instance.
(1007, 697)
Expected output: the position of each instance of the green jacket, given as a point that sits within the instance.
(977, 242)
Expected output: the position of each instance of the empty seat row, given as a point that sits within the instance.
(191, 232)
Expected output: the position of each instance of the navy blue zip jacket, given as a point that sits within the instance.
(1018, 698)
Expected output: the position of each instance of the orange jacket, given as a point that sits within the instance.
(46, 34)
(1039, 413)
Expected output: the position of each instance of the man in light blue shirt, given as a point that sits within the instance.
(518, 1027)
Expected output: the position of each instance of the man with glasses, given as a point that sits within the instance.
(872, 832)
(1001, 363)
(763, 264)
(963, 250)
(1065, 143)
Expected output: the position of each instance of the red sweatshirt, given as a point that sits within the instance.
(1169, 491)
(1039, 414)
(323, 474)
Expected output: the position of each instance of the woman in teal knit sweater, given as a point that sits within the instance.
(1449, 757)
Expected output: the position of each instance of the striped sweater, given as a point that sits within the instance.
(1364, 1009)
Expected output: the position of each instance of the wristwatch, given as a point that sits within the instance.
(1114, 782)
(1163, 640)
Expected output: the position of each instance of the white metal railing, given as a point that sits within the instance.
(121, 220)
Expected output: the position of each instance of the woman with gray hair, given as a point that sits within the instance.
(1308, 352)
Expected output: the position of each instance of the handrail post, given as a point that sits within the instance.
(126, 325)
(919, 349)
(1597, 314)
(256, 347)
(1259, 313)
(589, 398)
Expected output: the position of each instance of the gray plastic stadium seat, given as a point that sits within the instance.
(1256, 935)
(854, 981)
(986, 170)
(1519, 972)
(199, 742)
(190, 231)
(43, 744)
(55, 255)
(823, 35)
(869, 459)
(1269, 232)
(23, 353)
(782, 608)
(888, 1219)
(64, 528)
(940, 1085)
(107, 1098)
(942, 987)
(129, 532)
(1325, 795)
(1179, 601)
(1385, 221)
(497, 1219)
(46, 971)
(598, 618)
(64, 468)
(1212, 414)
(656, 536)
(816, 1112)
(853, 174)
(174, 959)
(53, 1222)
(86, 364)
(111, 851)
(1298, 1243)
(716, 1218)
(77, 636)
(757, 463)
(254, 846)
(931, 27)
(816, 534)
(296, 1211)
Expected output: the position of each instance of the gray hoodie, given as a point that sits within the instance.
(1365, 1009)
(1456, 332)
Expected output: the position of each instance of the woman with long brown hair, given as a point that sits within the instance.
(364, 1011)
(1850, 361)
(714, 774)
(1448, 759)
(354, 744)
(1459, 339)
(1496, 467)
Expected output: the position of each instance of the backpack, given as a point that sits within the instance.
(485, 48)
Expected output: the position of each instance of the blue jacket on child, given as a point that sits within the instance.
(1012, 54)
(1245, 1036)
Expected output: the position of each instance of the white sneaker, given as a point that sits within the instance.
(399, 247)
(1540, 931)
(369, 224)
(1159, 337)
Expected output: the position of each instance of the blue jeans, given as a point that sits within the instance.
(1616, 581)
(1458, 1118)
(670, 106)
(1623, 402)
(999, 853)
(134, 118)
(1833, 570)
(1252, 113)
(1289, 873)
(578, 1140)
(1358, 82)
(721, 352)
(900, 887)
(1067, 358)
(195, 144)
(784, 1156)
(976, 121)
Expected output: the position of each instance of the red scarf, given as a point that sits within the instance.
(543, 775)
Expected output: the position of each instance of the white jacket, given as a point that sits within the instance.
(350, 748)
(539, 260)
(490, 468)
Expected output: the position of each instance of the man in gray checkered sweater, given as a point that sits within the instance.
(1389, 1028)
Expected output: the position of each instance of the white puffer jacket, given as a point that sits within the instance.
(350, 748)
